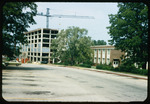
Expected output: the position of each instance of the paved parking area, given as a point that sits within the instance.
(31, 82)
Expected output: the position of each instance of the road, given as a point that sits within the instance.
(33, 82)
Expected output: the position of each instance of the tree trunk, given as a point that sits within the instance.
(144, 65)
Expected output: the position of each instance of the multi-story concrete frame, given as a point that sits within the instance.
(106, 54)
(39, 46)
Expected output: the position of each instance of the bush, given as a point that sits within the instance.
(104, 67)
(132, 69)
(123, 68)
(99, 67)
(85, 65)
(127, 68)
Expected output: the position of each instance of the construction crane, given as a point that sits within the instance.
(61, 16)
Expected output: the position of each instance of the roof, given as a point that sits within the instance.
(103, 47)
(39, 29)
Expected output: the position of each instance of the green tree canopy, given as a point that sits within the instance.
(72, 46)
(99, 42)
(16, 19)
(129, 31)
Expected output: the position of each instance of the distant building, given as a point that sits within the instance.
(106, 54)
(39, 46)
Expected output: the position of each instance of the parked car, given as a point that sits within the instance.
(3, 64)
(44, 62)
(13, 62)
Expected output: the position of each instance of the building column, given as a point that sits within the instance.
(41, 44)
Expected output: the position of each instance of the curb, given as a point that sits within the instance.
(109, 72)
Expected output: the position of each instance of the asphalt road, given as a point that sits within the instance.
(32, 82)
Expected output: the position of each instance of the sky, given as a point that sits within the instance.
(96, 27)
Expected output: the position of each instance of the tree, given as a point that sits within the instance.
(72, 46)
(16, 19)
(129, 31)
(99, 42)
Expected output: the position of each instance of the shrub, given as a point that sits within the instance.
(85, 65)
(104, 67)
(99, 67)
(127, 68)
(123, 68)
(59, 63)
(116, 69)
(132, 69)
(143, 71)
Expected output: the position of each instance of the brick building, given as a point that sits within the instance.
(107, 54)
(39, 46)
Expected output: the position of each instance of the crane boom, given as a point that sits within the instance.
(61, 16)
(72, 16)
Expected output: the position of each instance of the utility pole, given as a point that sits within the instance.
(61, 16)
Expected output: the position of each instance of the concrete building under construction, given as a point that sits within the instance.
(39, 45)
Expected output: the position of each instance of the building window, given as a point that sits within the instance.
(103, 53)
(45, 54)
(54, 32)
(46, 40)
(108, 61)
(45, 36)
(95, 53)
(103, 61)
(99, 60)
(95, 60)
(108, 51)
(39, 45)
(45, 45)
(31, 45)
(99, 53)
(53, 36)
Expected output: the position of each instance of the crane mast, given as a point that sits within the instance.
(47, 19)
(61, 16)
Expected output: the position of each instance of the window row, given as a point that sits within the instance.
(44, 36)
(103, 60)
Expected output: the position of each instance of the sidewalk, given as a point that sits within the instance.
(108, 72)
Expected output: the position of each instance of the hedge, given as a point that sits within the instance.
(85, 65)
(123, 68)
